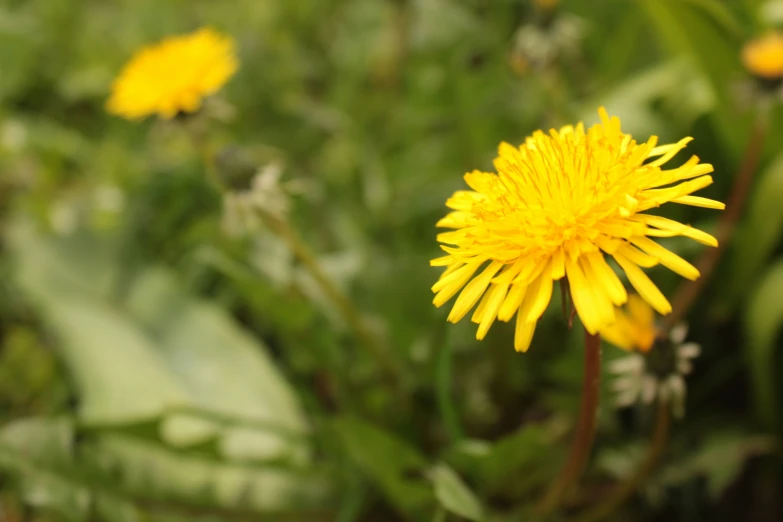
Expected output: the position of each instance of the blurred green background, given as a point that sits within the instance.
(157, 364)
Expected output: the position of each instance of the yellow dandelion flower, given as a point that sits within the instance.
(558, 204)
(546, 4)
(633, 328)
(173, 75)
(763, 57)
(519, 64)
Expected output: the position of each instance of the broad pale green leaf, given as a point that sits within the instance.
(183, 430)
(222, 369)
(40, 452)
(147, 467)
(121, 375)
(118, 370)
(74, 265)
(36, 438)
(454, 495)
(112, 469)
(160, 354)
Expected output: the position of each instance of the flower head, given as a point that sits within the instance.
(634, 329)
(173, 75)
(266, 192)
(541, 44)
(763, 57)
(546, 4)
(658, 374)
(558, 204)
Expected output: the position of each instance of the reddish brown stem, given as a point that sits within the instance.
(727, 222)
(627, 488)
(585, 428)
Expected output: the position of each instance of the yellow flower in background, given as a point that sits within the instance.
(763, 57)
(546, 4)
(173, 75)
(633, 328)
(558, 204)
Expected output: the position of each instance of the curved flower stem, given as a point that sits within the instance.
(623, 491)
(299, 248)
(585, 428)
(690, 290)
(344, 305)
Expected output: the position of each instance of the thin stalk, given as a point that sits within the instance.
(727, 222)
(344, 305)
(195, 127)
(585, 428)
(281, 227)
(623, 491)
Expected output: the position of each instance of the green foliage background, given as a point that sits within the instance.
(154, 367)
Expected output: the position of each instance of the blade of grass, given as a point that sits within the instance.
(443, 386)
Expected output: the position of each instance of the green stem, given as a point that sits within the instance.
(344, 305)
(443, 386)
(585, 429)
(620, 494)
(281, 227)
(198, 135)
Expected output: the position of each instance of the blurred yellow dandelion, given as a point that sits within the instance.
(173, 75)
(557, 204)
(546, 4)
(763, 57)
(518, 63)
(633, 328)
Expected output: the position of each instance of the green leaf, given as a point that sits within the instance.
(122, 378)
(40, 452)
(184, 430)
(519, 461)
(392, 463)
(160, 354)
(144, 466)
(720, 460)
(721, 16)
(18, 50)
(704, 34)
(440, 23)
(761, 229)
(35, 439)
(53, 265)
(223, 369)
(120, 468)
(763, 318)
(633, 99)
(454, 495)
